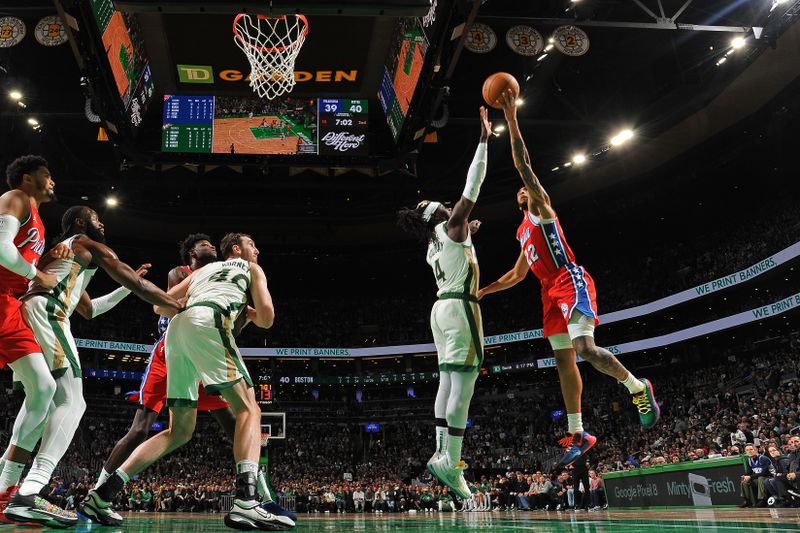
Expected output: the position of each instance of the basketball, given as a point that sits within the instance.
(494, 86)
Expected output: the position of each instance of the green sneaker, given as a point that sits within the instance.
(453, 476)
(646, 403)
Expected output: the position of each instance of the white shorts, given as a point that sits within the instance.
(50, 326)
(200, 347)
(458, 334)
(579, 325)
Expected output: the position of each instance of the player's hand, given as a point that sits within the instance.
(486, 126)
(45, 279)
(143, 270)
(508, 102)
(481, 293)
(61, 251)
(474, 226)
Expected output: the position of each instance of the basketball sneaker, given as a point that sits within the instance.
(452, 476)
(36, 509)
(646, 403)
(248, 515)
(575, 445)
(99, 510)
(275, 508)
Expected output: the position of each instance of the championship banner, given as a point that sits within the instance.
(705, 483)
(725, 282)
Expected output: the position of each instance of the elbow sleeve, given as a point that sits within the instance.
(476, 174)
(10, 258)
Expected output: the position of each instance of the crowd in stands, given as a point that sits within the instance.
(710, 409)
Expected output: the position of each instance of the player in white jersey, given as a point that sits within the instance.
(47, 312)
(200, 347)
(456, 316)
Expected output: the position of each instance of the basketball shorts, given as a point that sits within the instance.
(458, 334)
(200, 348)
(153, 391)
(573, 289)
(16, 338)
(50, 325)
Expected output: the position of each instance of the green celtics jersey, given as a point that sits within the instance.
(72, 280)
(222, 285)
(454, 264)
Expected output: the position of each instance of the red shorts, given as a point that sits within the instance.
(153, 391)
(16, 338)
(572, 289)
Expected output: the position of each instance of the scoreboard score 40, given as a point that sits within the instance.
(343, 126)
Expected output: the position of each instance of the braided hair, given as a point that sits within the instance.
(411, 221)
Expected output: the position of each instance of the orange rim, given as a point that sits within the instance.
(263, 17)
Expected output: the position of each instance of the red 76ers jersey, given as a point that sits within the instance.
(544, 246)
(30, 243)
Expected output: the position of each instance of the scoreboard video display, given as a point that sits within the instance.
(343, 126)
(235, 125)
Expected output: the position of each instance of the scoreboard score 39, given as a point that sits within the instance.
(343, 126)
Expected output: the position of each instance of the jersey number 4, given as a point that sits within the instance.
(223, 274)
(438, 272)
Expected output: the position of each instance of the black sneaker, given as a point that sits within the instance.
(99, 510)
(34, 508)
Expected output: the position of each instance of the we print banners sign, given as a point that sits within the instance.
(680, 485)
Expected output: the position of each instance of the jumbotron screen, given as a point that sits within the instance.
(126, 55)
(250, 125)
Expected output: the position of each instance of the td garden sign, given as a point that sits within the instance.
(204, 74)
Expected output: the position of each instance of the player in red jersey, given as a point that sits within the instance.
(21, 245)
(196, 252)
(568, 300)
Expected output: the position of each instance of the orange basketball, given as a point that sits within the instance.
(494, 86)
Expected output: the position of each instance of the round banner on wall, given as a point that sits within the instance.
(571, 40)
(481, 38)
(524, 40)
(12, 31)
(50, 31)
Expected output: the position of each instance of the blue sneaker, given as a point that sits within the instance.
(575, 445)
(276, 509)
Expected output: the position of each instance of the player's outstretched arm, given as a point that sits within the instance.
(104, 257)
(457, 226)
(90, 308)
(262, 314)
(538, 199)
(509, 279)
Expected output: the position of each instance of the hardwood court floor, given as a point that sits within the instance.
(654, 521)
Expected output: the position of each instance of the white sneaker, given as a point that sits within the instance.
(248, 514)
(453, 476)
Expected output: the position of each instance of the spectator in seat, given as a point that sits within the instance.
(358, 500)
(788, 478)
(595, 489)
(759, 468)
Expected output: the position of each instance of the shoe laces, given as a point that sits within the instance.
(642, 403)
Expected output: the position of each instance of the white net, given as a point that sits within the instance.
(271, 46)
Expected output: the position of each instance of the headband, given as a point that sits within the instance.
(430, 209)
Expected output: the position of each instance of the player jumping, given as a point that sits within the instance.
(456, 317)
(568, 300)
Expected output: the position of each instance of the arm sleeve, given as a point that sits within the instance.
(477, 171)
(10, 258)
(103, 304)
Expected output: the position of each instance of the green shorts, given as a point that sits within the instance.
(200, 347)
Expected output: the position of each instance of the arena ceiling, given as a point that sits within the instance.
(643, 69)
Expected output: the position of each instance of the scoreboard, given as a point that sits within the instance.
(343, 126)
(188, 124)
(264, 393)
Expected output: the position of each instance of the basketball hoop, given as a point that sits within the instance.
(271, 45)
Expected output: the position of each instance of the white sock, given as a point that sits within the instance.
(454, 449)
(632, 384)
(39, 475)
(263, 488)
(102, 479)
(575, 423)
(124, 476)
(11, 473)
(441, 439)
